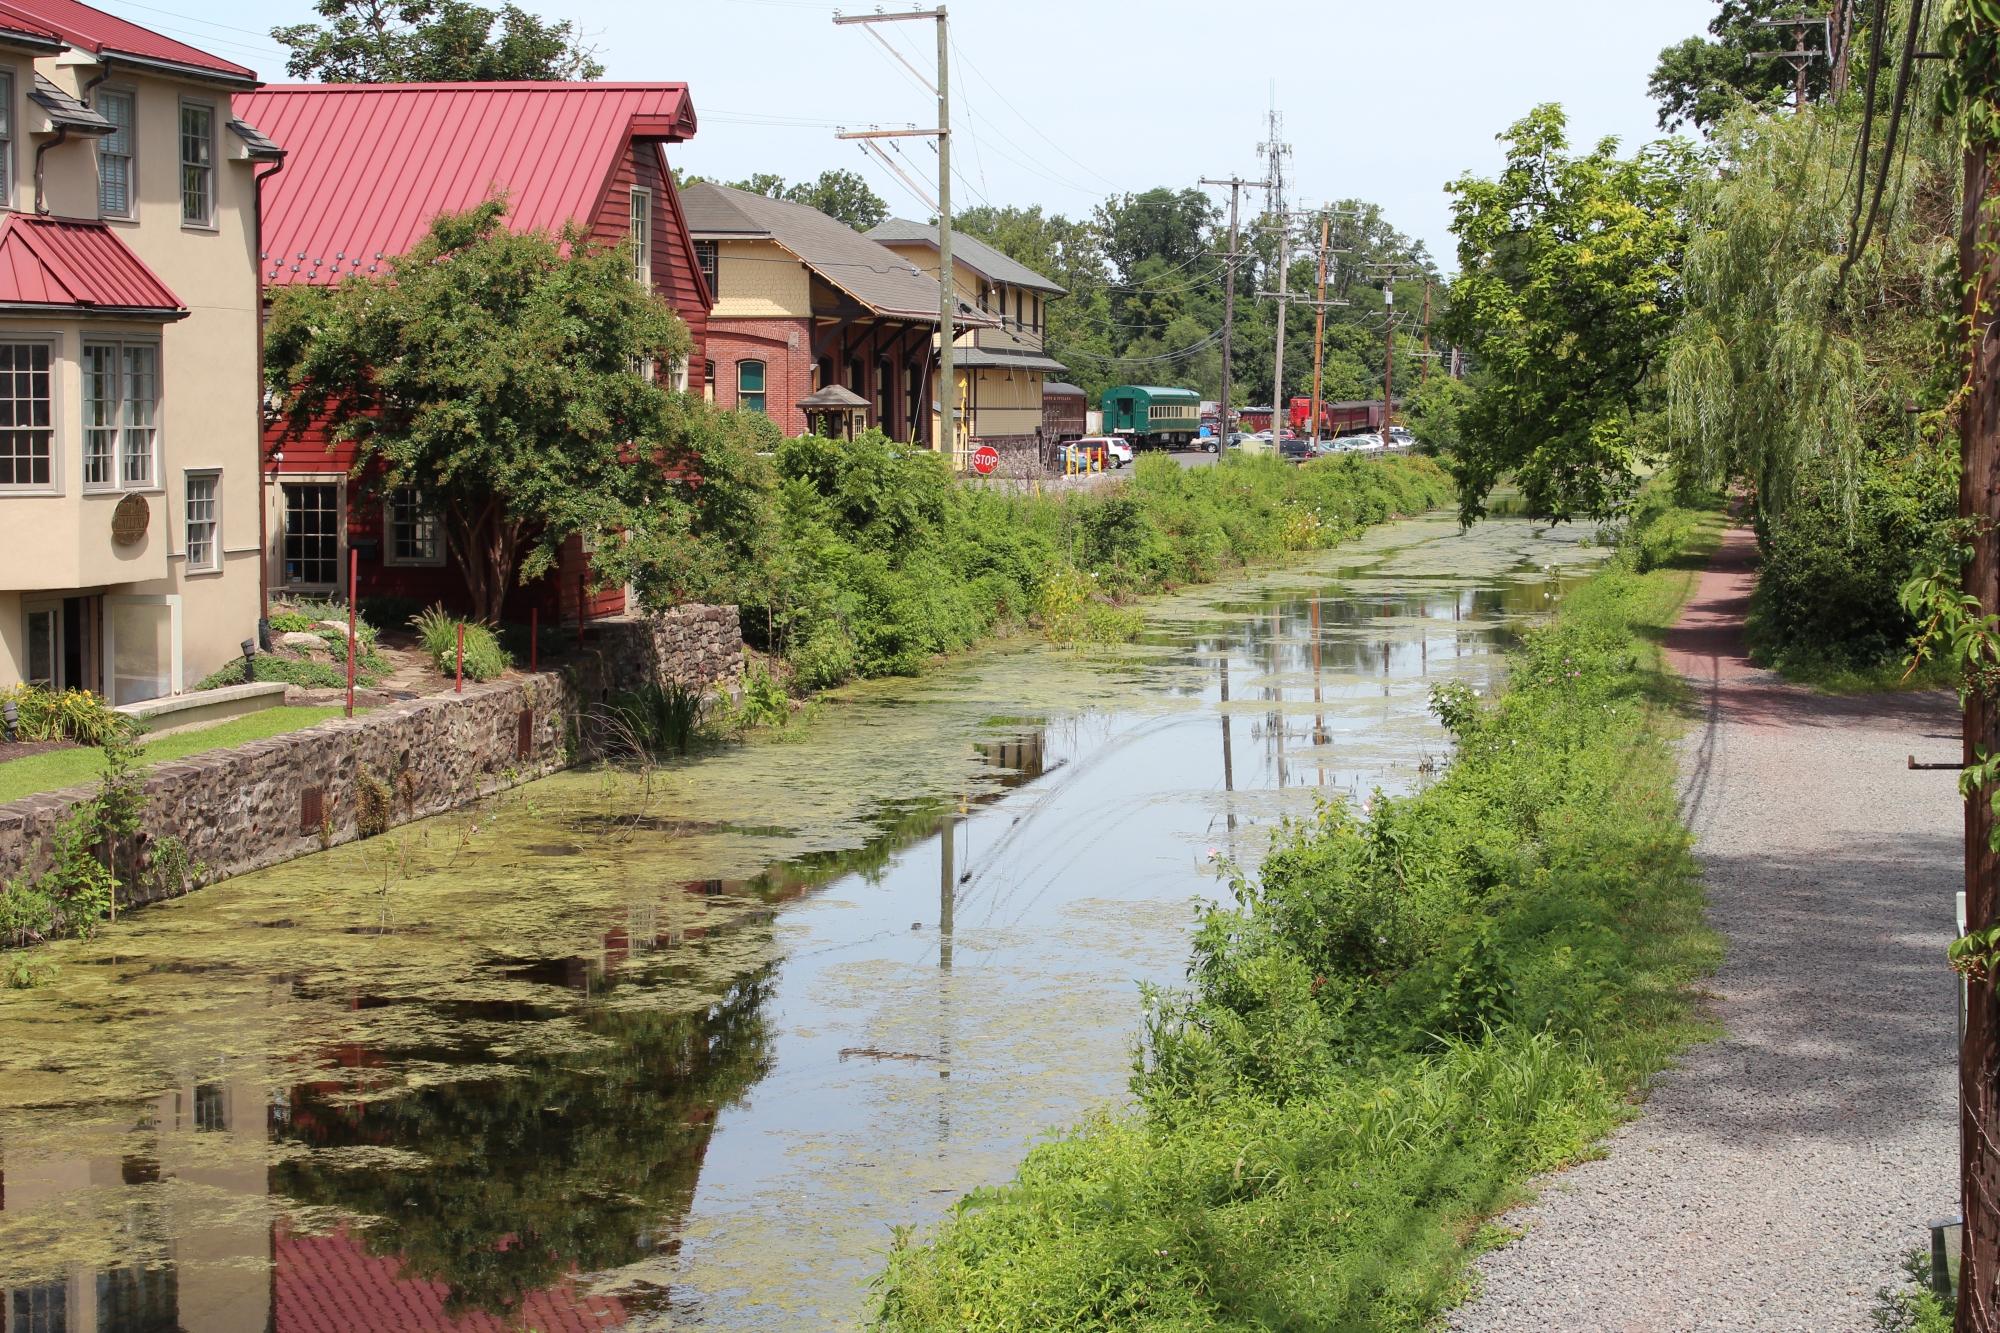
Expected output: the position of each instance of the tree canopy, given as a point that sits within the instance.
(836, 192)
(494, 372)
(1699, 81)
(1569, 283)
(433, 41)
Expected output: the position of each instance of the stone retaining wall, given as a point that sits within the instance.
(259, 804)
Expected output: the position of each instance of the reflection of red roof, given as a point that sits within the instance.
(331, 1284)
(104, 34)
(71, 263)
(372, 164)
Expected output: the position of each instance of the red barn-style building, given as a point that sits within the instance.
(369, 167)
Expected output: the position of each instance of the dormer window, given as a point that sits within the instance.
(642, 237)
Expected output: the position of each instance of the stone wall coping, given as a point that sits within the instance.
(180, 703)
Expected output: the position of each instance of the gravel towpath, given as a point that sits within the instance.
(1780, 1173)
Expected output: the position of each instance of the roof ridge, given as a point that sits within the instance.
(524, 86)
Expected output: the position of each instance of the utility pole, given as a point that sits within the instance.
(1424, 375)
(1235, 184)
(1800, 58)
(1388, 356)
(1319, 327)
(1276, 151)
(1979, 509)
(947, 436)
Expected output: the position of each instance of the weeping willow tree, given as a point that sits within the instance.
(1812, 359)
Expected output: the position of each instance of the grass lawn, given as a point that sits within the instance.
(57, 769)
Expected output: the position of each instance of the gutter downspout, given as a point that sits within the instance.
(263, 476)
(41, 203)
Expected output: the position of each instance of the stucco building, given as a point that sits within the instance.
(129, 375)
(1000, 364)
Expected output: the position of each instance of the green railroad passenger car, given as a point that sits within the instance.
(1152, 415)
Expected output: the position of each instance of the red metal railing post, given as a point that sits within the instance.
(582, 605)
(460, 685)
(353, 590)
(534, 638)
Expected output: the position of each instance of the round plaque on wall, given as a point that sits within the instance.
(129, 520)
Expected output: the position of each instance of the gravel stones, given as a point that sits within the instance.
(1778, 1176)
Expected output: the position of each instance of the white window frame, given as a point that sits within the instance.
(54, 485)
(10, 88)
(206, 222)
(390, 522)
(131, 154)
(212, 475)
(708, 258)
(764, 392)
(640, 229)
(155, 476)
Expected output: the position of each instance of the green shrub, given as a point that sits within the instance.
(292, 622)
(1401, 1019)
(660, 719)
(71, 715)
(437, 632)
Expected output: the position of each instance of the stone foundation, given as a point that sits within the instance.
(256, 805)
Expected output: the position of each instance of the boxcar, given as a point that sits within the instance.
(1338, 418)
(1063, 412)
(1152, 415)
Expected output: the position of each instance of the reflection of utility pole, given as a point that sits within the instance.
(1228, 766)
(947, 888)
(1319, 703)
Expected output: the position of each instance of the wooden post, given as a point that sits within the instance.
(353, 596)
(458, 687)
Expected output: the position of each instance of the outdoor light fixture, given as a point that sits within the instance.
(249, 647)
(10, 719)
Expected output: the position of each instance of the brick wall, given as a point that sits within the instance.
(270, 801)
(785, 348)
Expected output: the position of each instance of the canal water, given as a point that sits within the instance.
(681, 1048)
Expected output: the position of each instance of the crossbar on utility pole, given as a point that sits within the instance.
(1799, 57)
(947, 433)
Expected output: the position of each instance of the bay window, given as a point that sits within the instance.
(27, 433)
(121, 405)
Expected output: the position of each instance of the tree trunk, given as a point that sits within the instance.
(1979, 503)
(487, 547)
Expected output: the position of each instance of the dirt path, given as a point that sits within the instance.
(1778, 1176)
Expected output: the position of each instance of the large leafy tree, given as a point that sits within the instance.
(1700, 80)
(1568, 287)
(494, 372)
(840, 194)
(433, 41)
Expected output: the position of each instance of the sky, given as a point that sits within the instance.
(1064, 102)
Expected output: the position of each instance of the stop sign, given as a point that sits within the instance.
(984, 459)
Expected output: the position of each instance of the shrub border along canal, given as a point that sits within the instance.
(1403, 1020)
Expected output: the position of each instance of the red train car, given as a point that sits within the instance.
(1343, 418)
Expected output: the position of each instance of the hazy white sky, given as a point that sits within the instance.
(1061, 102)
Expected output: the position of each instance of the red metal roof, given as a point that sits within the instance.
(371, 164)
(104, 34)
(330, 1284)
(69, 262)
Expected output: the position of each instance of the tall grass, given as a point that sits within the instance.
(882, 560)
(1397, 1024)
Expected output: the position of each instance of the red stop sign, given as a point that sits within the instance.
(984, 459)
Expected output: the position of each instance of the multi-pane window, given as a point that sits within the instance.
(204, 522)
(705, 255)
(642, 237)
(6, 138)
(26, 433)
(121, 410)
(312, 534)
(750, 385)
(197, 163)
(114, 155)
(414, 538)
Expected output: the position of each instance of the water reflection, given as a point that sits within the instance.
(683, 1051)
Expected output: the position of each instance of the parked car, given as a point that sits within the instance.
(1295, 450)
(1400, 437)
(1117, 448)
(1367, 442)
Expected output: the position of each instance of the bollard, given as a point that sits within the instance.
(534, 638)
(459, 687)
